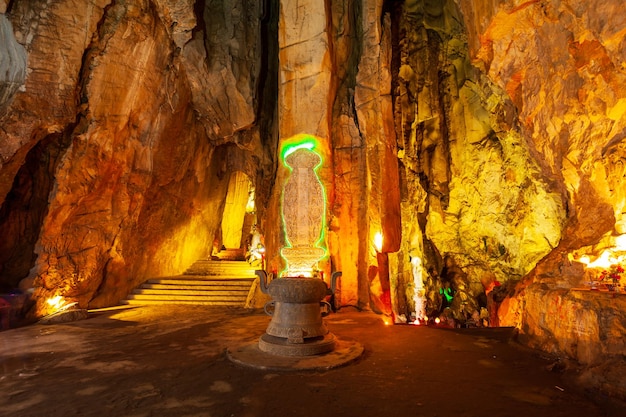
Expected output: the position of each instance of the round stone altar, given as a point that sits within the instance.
(296, 337)
(297, 328)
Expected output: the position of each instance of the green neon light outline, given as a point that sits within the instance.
(288, 150)
(308, 142)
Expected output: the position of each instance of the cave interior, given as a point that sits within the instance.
(468, 166)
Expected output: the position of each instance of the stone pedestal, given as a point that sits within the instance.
(297, 328)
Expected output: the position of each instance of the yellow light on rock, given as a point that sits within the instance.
(56, 302)
(378, 241)
(620, 243)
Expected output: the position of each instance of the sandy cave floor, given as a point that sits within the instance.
(171, 361)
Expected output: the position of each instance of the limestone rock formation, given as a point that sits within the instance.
(111, 159)
(481, 141)
(12, 63)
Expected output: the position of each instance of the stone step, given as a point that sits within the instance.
(231, 254)
(221, 268)
(225, 264)
(195, 297)
(195, 302)
(223, 272)
(243, 286)
(201, 291)
(219, 262)
(206, 282)
(201, 280)
(221, 265)
(213, 261)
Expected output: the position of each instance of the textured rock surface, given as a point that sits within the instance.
(12, 63)
(562, 65)
(569, 102)
(474, 185)
(482, 139)
(117, 135)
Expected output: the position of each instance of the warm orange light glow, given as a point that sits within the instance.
(235, 208)
(378, 241)
(610, 256)
(250, 205)
(437, 321)
(620, 243)
(605, 260)
(386, 320)
(56, 302)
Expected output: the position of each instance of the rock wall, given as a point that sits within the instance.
(562, 65)
(483, 140)
(474, 186)
(116, 153)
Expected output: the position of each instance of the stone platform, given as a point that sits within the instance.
(344, 353)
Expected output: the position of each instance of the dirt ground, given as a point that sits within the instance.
(171, 361)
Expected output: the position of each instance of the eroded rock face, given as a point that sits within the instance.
(109, 172)
(474, 185)
(12, 63)
(562, 65)
(483, 140)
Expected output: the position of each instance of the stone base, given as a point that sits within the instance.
(250, 355)
(65, 316)
(311, 346)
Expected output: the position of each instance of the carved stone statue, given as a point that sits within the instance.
(303, 209)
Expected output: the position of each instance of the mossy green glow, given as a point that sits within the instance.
(290, 146)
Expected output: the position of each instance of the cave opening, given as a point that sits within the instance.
(239, 216)
(25, 207)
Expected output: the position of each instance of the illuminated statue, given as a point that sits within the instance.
(303, 213)
(256, 249)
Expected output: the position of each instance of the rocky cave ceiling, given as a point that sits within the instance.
(484, 139)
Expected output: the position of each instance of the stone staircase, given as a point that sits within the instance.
(206, 282)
